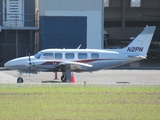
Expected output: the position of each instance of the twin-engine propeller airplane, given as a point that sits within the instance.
(78, 60)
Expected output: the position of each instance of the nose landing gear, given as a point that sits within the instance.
(20, 79)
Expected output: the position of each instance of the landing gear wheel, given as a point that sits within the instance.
(63, 78)
(20, 80)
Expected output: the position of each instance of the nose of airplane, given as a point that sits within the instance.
(16, 63)
(8, 64)
(12, 63)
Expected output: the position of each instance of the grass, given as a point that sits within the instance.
(59, 102)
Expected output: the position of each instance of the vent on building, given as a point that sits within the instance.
(13, 13)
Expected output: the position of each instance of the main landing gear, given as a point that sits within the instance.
(63, 77)
(66, 74)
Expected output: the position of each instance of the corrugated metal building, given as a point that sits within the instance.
(17, 34)
(69, 23)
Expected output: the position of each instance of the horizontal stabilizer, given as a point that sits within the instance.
(140, 56)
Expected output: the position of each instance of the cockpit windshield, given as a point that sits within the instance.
(38, 55)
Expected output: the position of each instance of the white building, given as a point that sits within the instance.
(76, 22)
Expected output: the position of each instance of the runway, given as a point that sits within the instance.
(102, 77)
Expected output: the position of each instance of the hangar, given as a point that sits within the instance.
(69, 23)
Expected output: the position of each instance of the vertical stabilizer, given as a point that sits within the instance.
(142, 42)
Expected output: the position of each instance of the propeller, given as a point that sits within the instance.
(29, 63)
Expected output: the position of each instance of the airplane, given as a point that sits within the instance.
(82, 60)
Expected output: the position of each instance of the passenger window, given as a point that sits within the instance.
(69, 55)
(94, 56)
(48, 55)
(82, 55)
(58, 55)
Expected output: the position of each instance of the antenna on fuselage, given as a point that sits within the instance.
(79, 46)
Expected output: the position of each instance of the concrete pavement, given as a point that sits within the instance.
(102, 77)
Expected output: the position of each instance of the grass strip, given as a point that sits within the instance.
(78, 102)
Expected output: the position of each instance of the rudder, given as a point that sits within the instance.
(142, 42)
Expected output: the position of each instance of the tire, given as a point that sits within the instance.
(63, 78)
(20, 80)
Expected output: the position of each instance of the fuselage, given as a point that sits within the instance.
(49, 59)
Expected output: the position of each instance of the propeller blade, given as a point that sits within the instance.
(29, 63)
(29, 57)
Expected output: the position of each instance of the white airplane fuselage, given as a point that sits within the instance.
(102, 59)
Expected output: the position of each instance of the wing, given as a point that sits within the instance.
(48, 65)
(76, 66)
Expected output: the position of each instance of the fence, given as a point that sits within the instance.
(11, 51)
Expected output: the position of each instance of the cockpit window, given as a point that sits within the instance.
(38, 55)
(48, 55)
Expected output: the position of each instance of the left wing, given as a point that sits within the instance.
(46, 65)
(74, 65)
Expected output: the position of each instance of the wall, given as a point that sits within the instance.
(92, 9)
(62, 32)
(29, 12)
(15, 41)
(1, 13)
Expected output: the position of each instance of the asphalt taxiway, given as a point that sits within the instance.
(102, 77)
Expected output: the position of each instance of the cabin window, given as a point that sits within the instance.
(82, 55)
(94, 56)
(69, 55)
(58, 55)
(38, 55)
(48, 55)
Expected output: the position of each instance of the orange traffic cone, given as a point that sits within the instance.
(72, 77)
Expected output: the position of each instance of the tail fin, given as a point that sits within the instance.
(142, 42)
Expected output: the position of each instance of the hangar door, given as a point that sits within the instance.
(62, 32)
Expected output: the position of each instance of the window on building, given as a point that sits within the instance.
(48, 55)
(82, 55)
(106, 3)
(94, 56)
(69, 55)
(135, 3)
(58, 55)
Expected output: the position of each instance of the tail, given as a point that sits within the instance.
(141, 43)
